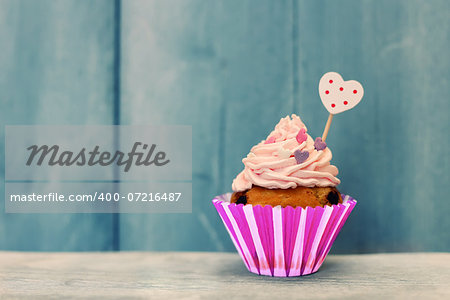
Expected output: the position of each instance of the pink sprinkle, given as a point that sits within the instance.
(301, 135)
(270, 140)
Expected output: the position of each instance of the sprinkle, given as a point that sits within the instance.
(301, 136)
(319, 144)
(301, 156)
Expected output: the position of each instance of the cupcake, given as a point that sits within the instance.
(285, 210)
(288, 169)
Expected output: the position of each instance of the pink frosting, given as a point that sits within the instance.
(273, 165)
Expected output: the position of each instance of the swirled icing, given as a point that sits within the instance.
(269, 164)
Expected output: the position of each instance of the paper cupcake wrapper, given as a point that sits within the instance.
(283, 242)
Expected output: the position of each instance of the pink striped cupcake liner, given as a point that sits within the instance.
(283, 242)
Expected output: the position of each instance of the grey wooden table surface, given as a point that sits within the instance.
(204, 275)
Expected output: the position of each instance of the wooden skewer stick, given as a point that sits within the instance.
(327, 127)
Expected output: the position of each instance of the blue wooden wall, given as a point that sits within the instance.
(232, 69)
(56, 67)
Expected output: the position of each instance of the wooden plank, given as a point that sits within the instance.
(57, 63)
(222, 67)
(391, 150)
(176, 275)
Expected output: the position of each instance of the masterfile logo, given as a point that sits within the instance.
(53, 156)
(98, 152)
(98, 169)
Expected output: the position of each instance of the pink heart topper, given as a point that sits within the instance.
(338, 95)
